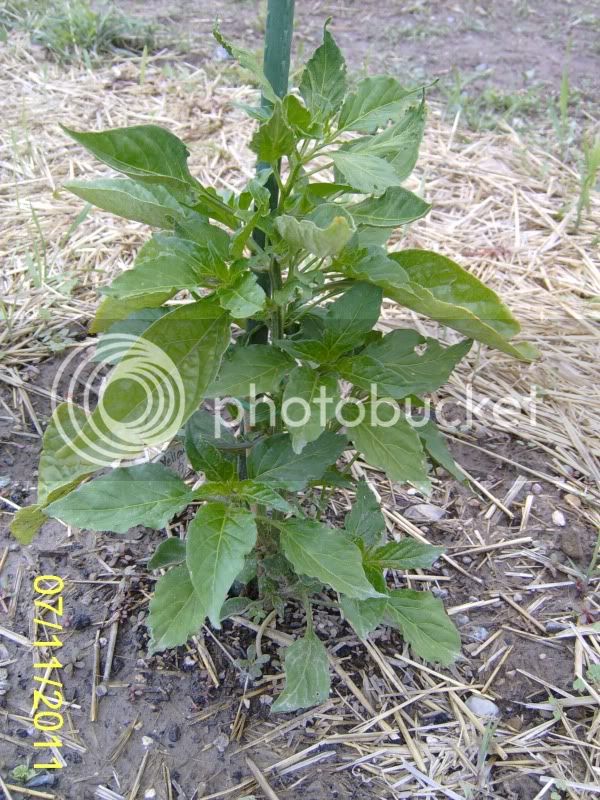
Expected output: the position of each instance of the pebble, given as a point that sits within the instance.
(101, 690)
(221, 742)
(461, 619)
(517, 597)
(424, 511)
(479, 633)
(174, 733)
(537, 488)
(482, 707)
(149, 794)
(147, 741)
(570, 544)
(558, 518)
(81, 621)
(554, 627)
(443, 593)
(45, 779)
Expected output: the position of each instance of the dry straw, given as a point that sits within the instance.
(503, 210)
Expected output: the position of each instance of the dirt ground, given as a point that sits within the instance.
(170, 706)
(182, 725)
(512, 45)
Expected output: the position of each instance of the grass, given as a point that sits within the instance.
(72, 31)
(589, 176)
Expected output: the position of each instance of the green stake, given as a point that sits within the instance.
(278, 44)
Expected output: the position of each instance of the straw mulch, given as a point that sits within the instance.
(503, 210)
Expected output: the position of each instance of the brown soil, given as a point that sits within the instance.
(171, 699)
(512, 44)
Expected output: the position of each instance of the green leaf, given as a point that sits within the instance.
(395, 207)
(243, 297)
(27, 522)
(250, 61)
(170, 551)
(375, 102)
(274, 462)
(307, 681)
(405, 554)
(60, 463)
(113, 344)
(365, 520)
(247, 491)
(388, 442)
(424, 624)
(146, 153)
(236, 606)
(435, 445)
(112, 310)
(309, 401)
(323, 82)
(299, 118)
(146, 494)
(350, 318)
(363, 615)
(204, 454)
(273, 139)
(307, 234)
(206, 451)
(324, 553)
(398, 368)
(307, 350)
(364, 172)
(178, 356)
(219, 537)
(398, 145)
(151, 204)
(437, 287)
(167, 264)
(176, 611)
(252, 366)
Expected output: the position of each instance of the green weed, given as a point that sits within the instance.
(73, 31)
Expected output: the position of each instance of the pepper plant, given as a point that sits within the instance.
(257, 312)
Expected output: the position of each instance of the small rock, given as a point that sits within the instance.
(479, 633)
(537, 488)
(424, 511)
(573, 500)
(45, 779)
(101, 690)
(221, 742)
(554, 627)
(558, 518)
(482, 707)
(147, 741)
(80, 621)
(174, 733)
(516, 723)
(570, 544)
(461, 619)
(517, 597)
(442, 593)
(149, 794)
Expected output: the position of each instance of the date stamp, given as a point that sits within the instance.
(48, 699)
